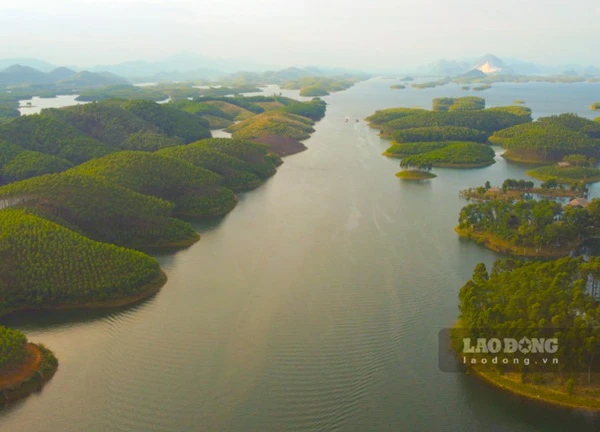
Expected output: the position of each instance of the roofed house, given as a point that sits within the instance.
(578, 202)
(563, 164)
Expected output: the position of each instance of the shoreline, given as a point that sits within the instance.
(148, 291)
(30, 377)
(444, 164)
(533, 392)
(497, 245)
(414, 175)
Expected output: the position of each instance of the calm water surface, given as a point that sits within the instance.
(313, 306)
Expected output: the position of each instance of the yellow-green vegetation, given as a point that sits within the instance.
(513, 109)
(569, 174)
(44, 134)
(17, 163)
(100, 209)
(168, 120)
(195, 191)
(515, 190)
(488, 120)
(273, 123)
(381, 117)
(451, 155)
(133, 125)
(314, 110)
(415, 175)
(234, 112)
(12, 348)
(528, 228)
(467, 103)
(519, 101)
(550, 138)
(431, 84)
(398, 87)
(482, 87)
(319, 86)
(595, 106)
(519, 299)
(438, 133)
(24, 367)
(243, 164)
(45, 265)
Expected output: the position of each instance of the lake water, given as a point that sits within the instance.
(38, 104)
(313, 306)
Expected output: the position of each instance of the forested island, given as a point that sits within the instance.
(453, 134)
(531, 228)
(24, 367)
(514, 190)
(556, 299)
(321, 86)
(549, 139)
(86, 190)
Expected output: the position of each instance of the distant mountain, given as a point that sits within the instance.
(473, 73)
(490, 64)
(61, 73)
(19, 75)
(92, 79)
(183, 62)
(40, 65)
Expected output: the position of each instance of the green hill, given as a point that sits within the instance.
(241, 170)
(467, 103)
(544, 140)
(42, 133)
(488, 120)
(273, 123)
(111, 124)
(28, 164)
(439, 133)
(381, 117)
(574, 123)
(100, 210)
(453, 155)
(44, 264)
(169, 120)
(195, 191)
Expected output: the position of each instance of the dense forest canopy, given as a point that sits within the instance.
(195, 191)
(550, 138)
(99, 209)
(515, 298)
(467, 103)
(439, 133)
(45, 264)
(454, 154)
(12, 347)
(532, 223)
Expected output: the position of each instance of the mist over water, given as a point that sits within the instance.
(315, 305)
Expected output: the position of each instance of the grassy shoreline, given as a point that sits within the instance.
(538, 393)
(509, 156)
(30, 377)
(587, 180)
(147, 291)
(443, 164)
(415, 175)
(502, 246)
(554, 396)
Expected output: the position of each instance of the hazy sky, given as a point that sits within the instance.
(350, 33)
